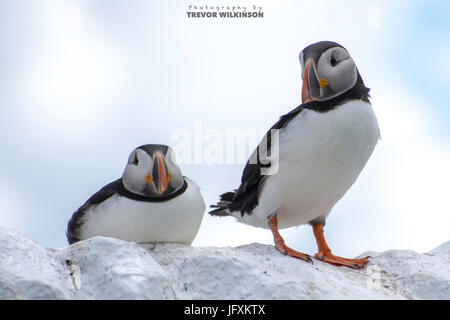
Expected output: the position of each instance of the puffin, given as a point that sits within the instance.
(311, 156)
(152, 202)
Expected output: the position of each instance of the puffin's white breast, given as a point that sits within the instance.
(321, 156)
(175, 220)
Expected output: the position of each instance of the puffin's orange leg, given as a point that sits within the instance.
(281, 246)
(326, 255)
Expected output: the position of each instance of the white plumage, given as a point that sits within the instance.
(321, 156)
(176, 220)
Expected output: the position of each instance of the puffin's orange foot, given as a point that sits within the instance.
(281, 245)
(328, 257)
(284, 249)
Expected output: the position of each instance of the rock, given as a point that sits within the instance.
(98, 268)
(107, 268)
(28, 271)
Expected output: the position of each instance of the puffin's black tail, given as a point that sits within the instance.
(223, 206)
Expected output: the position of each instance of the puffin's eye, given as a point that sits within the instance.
(135, 160)
(333, 61)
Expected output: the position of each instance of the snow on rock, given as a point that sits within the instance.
(28, 271)
(106, 268)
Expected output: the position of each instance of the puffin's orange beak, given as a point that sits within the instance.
(311, 86)
(161, 173)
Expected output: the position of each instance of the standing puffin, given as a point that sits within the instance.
(152, 202)
(322, 146)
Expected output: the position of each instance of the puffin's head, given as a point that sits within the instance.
(151, 171)
(327, 71)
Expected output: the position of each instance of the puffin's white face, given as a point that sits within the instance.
(150, 172)
(326, 74)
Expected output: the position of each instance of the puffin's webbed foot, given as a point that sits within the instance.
(326, 255)
(339, 261)
(281, 245)
(284, 249)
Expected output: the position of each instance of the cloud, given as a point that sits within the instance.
(414, 170)
(70, 80)
(13, 208)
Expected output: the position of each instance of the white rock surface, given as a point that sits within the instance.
(106, 268)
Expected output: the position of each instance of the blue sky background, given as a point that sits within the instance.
(85, 82)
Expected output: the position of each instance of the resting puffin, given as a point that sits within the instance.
(320, 149)
(152, 202)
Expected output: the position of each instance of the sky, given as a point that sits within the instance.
(85, 82)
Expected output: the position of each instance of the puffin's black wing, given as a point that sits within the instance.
(75, 222)
(245, 198)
